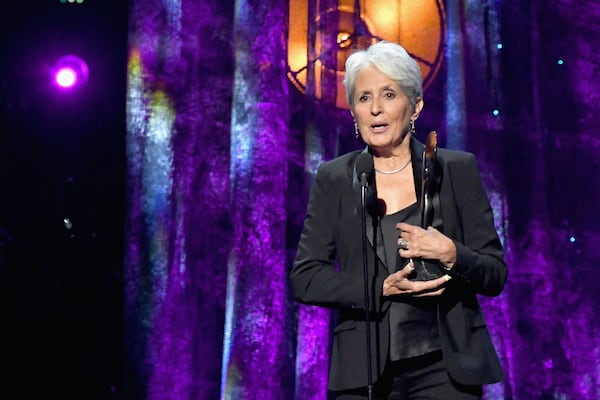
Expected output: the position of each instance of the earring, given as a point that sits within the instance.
(412, 126)
(356, 133)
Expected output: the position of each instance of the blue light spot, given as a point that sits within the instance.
(560, 61)
(572, 239)
(496, 112)
(499, 46)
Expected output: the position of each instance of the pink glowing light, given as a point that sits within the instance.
(66, 77)
(70, 71)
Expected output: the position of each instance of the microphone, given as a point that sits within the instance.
(364, 168)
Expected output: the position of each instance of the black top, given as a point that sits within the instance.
(413, 320)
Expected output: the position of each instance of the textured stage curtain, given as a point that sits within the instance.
(257, 361)
(179, 227)
(222, 150)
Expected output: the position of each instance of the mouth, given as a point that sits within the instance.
(379, 126)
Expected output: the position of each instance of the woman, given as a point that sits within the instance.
(428, 336)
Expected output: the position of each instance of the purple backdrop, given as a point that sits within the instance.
(222, 151)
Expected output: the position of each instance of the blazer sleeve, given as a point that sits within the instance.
(479, 252)
(316, 277)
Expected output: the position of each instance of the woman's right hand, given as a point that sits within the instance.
(399, 284)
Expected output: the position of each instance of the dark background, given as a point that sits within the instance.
(62, 156)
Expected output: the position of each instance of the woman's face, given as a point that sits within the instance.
(381, 110)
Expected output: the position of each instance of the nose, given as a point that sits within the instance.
(375, 107)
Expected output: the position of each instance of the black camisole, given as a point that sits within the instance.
(413, 320)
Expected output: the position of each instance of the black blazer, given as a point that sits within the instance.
(328, 269)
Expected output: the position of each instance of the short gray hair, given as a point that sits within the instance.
(391, 59)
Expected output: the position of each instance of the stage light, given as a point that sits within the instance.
(66, 77)
(70, 71)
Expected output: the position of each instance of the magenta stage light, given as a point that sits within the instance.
(70, 71)
(66, 77)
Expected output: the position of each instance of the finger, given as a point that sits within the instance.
(404, 227)
(431, 229)
(430, 294)
(432, 285)
(404, 286)
(408, 269)
(401, 293)
(442, 280)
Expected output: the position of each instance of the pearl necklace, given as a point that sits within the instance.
(394, 171)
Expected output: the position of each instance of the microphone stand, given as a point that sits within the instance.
(363, 197)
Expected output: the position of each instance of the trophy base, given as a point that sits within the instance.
(426, 271)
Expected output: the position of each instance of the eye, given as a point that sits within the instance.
(363, 98)
(389, 95)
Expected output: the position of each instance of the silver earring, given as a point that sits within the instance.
(412, 126)
(356, 133)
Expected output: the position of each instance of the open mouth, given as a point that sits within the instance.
(378, 126)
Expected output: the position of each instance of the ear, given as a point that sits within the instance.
(418, 108)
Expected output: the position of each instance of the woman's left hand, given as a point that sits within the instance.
(431, 244)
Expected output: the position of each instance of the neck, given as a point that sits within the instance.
(391, 161)
(395, 170)
(395, 151)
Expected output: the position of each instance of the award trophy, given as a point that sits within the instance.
(428, 269)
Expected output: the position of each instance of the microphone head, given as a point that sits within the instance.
(364, 167)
